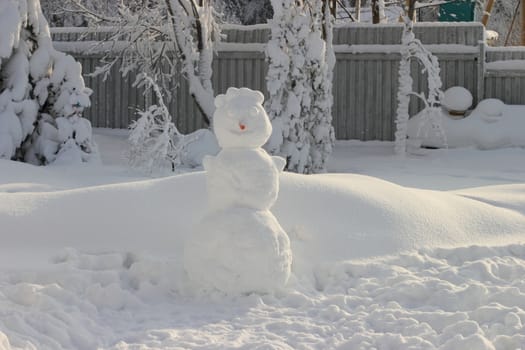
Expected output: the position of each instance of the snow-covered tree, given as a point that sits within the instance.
(299, 84)
(245, 11)
(505, 20)
(378, 11)
(321, 63)
(412, 48)
(162, 38)
(59, 13)
(42, 93)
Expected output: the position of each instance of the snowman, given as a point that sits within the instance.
(239, 246)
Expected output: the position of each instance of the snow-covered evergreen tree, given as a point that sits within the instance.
(42, 93)
(299, 85)
(412, 48)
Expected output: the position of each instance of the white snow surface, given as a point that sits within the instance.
(420, 252)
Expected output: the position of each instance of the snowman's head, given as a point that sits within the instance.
(240, 120)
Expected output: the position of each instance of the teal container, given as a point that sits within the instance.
(457, 11)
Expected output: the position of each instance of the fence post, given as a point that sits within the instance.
(481, 70)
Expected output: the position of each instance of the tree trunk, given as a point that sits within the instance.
(488, 10)
(375, 12)
(199, 80)
(411, 9)
(333, 5)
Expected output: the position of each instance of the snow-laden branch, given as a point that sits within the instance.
(412, 48)
(166, 38)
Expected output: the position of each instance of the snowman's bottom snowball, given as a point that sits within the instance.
(238, 250)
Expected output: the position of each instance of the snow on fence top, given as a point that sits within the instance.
(505, 53)
(433, 33)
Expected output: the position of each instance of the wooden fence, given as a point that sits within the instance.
(365, 79)
(505, 74)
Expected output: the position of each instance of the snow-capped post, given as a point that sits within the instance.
(413, 48)
(239, 246)
(299, 83)
(42, 92)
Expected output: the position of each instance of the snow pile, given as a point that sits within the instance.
(42, 93)
(122, 284)
(492, 124)
(239, 246)
(366, 217)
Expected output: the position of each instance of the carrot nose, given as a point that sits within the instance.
(242, 126)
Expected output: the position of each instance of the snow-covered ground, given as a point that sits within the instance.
(421, 252)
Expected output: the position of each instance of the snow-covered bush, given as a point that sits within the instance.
(412, 48)
(42, 93)
(299, 83)
(156, 143)
(153, 137)
(151, 140)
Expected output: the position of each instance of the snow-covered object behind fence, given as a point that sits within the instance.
(492, 124)
(42, 93)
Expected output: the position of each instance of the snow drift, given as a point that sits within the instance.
(121, 286)
(328, 218)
